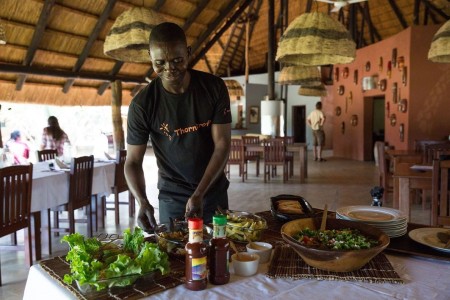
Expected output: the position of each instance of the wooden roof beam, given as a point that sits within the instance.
(200, 6)
(113, 72)
(433, 8)
(398, 13)
(227, 45)
(158, 5)
(37, 36)
(92, 38)
(308, 6)
(31, 70)
(213, 26)
(416, 16)
(373, 31)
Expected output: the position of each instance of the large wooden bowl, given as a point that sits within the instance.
(334, 260)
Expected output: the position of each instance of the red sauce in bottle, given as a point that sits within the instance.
(219, 252)
(196, 253)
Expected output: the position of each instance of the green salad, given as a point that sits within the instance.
(343, 239)
(106, 264)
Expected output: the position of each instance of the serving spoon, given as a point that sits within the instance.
(323, 225)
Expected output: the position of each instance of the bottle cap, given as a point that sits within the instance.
(195, 223)
(219, 220)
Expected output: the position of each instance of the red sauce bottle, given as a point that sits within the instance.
(219, 252)
(196, 253)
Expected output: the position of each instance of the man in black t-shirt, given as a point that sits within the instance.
(186, 113)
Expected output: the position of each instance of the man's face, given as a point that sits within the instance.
(170, 61)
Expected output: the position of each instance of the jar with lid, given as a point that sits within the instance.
(219, 252)
(196, 256)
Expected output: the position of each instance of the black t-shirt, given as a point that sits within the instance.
(179, 126)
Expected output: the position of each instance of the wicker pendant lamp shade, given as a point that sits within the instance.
(319, 90)
(440, 46)
(302, 75)
(2, 35)
(234, 88)
(128, 39)
(314, 39)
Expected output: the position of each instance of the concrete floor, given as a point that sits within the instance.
(337, 182)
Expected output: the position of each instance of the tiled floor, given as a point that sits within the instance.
(337, 182)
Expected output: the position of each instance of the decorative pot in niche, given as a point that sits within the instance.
(338, 111)
(393, 119)
(394, 92)
(336, 74)
(382, 84)
(341, 90)
(345, 72)
(342, 127)
(355, 77)
(402, 105)
(404, 76)
(354, 120)
(380, 64)
(401, 63)
(394, 57)
(401, 130)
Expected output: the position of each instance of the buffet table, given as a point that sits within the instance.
(418, 278)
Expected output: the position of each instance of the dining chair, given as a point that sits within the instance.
(236, 157)
(251, 155)
(80, 193)
(440, 207)
(120, 186)
(385, 175)
(289, 140)
(15, 204)
(274, 155)
(46, 154)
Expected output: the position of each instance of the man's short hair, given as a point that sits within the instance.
(319, 105)
(167, 32)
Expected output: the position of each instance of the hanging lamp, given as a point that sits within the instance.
(318, 90)
(235, 89)
(440, 46)
(314, 39)
(128, 39)
(301, 75)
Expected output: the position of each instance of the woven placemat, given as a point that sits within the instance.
(58, 266)
(286, 263)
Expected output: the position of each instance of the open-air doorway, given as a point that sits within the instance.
(299, 123)
(374, 120)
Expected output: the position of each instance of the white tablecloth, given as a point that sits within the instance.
(424, 279)
(51, 188)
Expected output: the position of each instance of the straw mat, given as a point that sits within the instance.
(300, 75)
(315, 39)
(56, 267)
(128, 39)
(286, 263)
(440, 46)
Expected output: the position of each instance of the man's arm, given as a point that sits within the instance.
(134, 174)
(221, 134)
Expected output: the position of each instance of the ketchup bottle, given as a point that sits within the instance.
(219, 252)
(196, 253)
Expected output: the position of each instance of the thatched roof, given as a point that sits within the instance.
(54, 51)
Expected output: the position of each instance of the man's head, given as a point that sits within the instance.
(319, 105)
(15, 135)
(169, 53)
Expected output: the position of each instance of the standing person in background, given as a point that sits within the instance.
(186, 113)
(316, 119)
(54, 137)
(18, 148)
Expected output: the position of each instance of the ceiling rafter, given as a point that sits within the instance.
(433, 8)
(398, 13)
(213, 26)
(237, 27)
(92, 38)
(37, 36)
(372, 30)
(200, 6)
(416, 15)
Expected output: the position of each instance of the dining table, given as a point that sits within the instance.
(414, 272)
(50, 188)
(300, 148)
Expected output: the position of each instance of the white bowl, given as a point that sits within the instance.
(245, 264)
(264, 250)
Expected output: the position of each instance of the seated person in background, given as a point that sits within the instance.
(19, 149)
(54, 137)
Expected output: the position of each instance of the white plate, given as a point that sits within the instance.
(373, 214)
(428, 237)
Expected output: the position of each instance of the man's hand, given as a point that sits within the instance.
(146, 218)
(194, 207)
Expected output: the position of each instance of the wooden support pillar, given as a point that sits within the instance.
(116, 104)
(271, 52)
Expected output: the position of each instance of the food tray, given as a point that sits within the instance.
(243, 226)
(284, 216)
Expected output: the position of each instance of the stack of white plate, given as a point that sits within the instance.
(391, 221)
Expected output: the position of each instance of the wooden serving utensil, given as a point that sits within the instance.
(323, 225)
(235, 249)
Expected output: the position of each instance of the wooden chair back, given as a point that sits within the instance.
(15, 204)
(419, 145)
(440, 207)
(80, 187)
(274, 154)
(433, 151)
(254, 140)
(236, 157)
(120, 182)
(383, 167)
(48, 154)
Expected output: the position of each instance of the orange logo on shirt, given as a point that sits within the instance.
(180, 131)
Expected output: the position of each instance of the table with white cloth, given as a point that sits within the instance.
(51, 189)
(423, 279)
